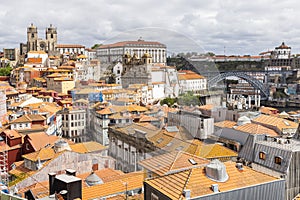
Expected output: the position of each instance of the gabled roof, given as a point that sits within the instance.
(43, 154)
(146, 118)
(256, 129)
(87, 147)
(199, 184)
(172, 162)
(28, 118)
(210, 151)
(133, 180)
(12, 134)
(275, 122)
(41, 139)
(225, 124)
(22, 119)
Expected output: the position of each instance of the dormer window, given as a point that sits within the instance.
(278, 160)
(262, 155)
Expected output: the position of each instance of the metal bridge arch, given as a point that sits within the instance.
(253, 81)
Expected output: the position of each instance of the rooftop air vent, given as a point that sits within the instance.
(216, 171)
(192, 161)
(239, 166)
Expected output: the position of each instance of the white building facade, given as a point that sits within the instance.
(191, 81)
(114, 52)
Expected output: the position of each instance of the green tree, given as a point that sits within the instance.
(95, 46)
(5, 71)
(188, 99)
(168, 101)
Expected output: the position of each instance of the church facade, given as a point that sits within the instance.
(34, 43)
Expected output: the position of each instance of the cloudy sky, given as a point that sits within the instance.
(236, 27)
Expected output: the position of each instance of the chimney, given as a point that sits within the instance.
(239, 166)
(215, 188)
(187, 194)
(71, 172)
(51, 183)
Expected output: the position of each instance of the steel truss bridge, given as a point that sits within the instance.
(248, 76)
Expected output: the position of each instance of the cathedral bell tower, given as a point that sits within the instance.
(32, 38)
(51, 38)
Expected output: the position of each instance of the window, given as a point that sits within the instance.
(262, 155)
(154, 197)
(278, 160)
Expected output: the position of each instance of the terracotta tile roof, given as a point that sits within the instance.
(207, 107)
(41, 139)
(39, 189)
(106, 111)
(210, 151)
(147, 125)
(55, 75)
(120, 116)
(22, 119)
(34, 60)
(133, 180)
(87, 147)
(129, 129)
(69, 46)
(172, 162)
(21, 169)
(43, 154)
(37, 52)
(12, 133)
(267, 110)
(197, 182)
(176, 141)
(225, 124)
(36, 117)
(275, 122)
(123, 196)
(146, 118)
(106, 174)
(256, 129)
(137, 108)
(190, 76)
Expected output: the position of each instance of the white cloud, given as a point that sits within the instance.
(244, 27)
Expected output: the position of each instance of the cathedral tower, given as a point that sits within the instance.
(32, 38)
(51, 38)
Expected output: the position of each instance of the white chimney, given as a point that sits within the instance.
(187, 194)
(215, 188)
(239, 166)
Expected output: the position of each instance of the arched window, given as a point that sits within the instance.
(262, 155)
(278, 160)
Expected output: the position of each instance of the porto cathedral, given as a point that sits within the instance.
(34, 43)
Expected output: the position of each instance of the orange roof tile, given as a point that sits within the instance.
(225, 124)
(130, 181)
(41, 139)
(277, 122)
(256, 129)
(207, 107)
(172, 162)
(43, 154)
(211, 151)
(199, 184)
(87, 147)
